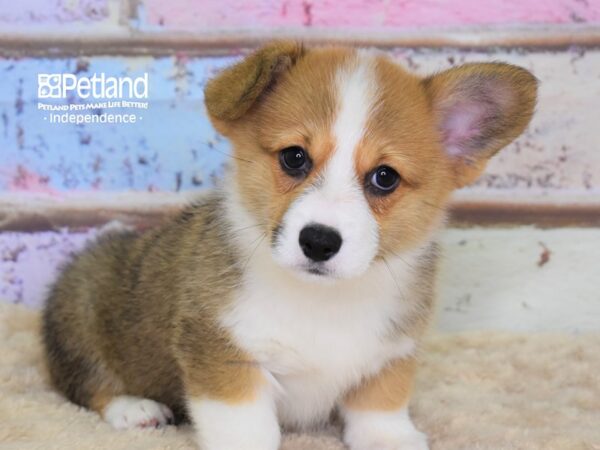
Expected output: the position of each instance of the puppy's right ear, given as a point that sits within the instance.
(233, 92)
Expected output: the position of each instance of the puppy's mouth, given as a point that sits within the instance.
(317, 270)
(318, 273)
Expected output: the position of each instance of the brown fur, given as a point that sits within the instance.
(402, 134)
(240, 86)
(138, 314)
(292, 115)
(387, 391)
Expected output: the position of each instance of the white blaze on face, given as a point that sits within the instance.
(337, 199)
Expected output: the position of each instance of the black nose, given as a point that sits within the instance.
(319, 242)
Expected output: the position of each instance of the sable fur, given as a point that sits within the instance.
(130, 308)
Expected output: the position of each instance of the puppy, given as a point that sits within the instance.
(304, 284)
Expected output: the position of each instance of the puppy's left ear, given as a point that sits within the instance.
(236, 89)
(479, 109)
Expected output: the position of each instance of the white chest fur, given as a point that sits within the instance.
(317, 340)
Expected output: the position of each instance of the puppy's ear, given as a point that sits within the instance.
(478, 109)
(233, 92)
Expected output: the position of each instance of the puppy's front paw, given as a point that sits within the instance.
(134, 412)
(382, 431)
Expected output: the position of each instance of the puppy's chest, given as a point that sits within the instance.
(316, 343)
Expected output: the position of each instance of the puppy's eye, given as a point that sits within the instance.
(295, 161)
(383, 180)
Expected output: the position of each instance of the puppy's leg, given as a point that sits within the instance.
(229, 398)
(126, 411)
(248, 424)
(376, 412)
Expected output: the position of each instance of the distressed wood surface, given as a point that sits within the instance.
(510, 279)
(79, 41)
(156, 27)
(172, 148)
(54, 176)
(519, 279)
(40, 13)
(31, 213)
(175, 149)
(30, 262)
(234, 14)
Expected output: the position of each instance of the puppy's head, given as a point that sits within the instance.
(345, 158)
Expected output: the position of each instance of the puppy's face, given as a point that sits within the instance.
(345, 158)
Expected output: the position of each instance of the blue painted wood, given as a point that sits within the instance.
(173, 147)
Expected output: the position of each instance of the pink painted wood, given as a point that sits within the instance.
(44, 12)
(365, 13)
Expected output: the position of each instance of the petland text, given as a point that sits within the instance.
(97, 86)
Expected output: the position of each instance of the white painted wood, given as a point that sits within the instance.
(492, 279)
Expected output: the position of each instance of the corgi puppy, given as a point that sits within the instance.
(304, 284)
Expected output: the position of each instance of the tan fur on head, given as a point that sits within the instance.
(234, 91)
(437, 132)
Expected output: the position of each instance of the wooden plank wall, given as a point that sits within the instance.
(58, 182)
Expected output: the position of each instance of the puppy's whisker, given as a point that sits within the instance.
(400, 258)
(395, 280)
(433, 206)
(262, 235)
(391, 273)
(396, 255)
(232, 156)
(260, 240)
(243, 363)
(247, 228)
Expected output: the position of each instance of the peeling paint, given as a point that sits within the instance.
(174, 135)
(490, 278)
(24, 180)
(29, 263)
(175, 141)
(235, 14)
(558, 154)
(35, 12)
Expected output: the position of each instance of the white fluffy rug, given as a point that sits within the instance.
(474, 391)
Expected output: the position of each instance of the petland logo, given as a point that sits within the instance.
(81, 100)
(98, 86)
